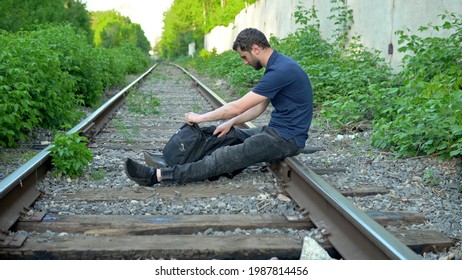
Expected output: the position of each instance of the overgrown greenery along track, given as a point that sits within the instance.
(415, 112)
(50, 68)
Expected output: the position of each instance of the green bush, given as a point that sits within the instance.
(108, 67)
(342, 78)
(34, 91)
(425, 114)
(70, 154)
(46, 74)
(129, 58)
(75, 56)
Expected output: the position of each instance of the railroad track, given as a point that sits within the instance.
(256, 215)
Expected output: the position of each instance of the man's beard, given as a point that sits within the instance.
(257, 65)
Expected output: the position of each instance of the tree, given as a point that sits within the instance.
(25, 15)
(188, 20)
(112, 30)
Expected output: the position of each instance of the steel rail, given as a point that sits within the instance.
(211, 96)
(352, 232)
(25, 177)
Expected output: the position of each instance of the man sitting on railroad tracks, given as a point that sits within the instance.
(284, 83)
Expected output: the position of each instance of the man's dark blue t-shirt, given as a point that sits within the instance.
(288, 87)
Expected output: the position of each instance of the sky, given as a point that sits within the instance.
(147, 13)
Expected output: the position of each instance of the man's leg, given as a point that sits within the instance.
(261, 147)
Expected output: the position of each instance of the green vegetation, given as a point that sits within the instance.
(423, 115)
(49, 67)
(196, 108)
(145, 104)
(415, 112)
(122, 128)
(20, 156)
(188, 20)
(34, 89)
(99, 174)
(113, 30)
(25, 15)
(70, 154)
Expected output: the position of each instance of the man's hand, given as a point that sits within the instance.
(191, 118)
(222, 129)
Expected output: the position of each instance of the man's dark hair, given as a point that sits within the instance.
(249, 36)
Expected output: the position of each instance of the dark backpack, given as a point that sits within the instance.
(191, 143)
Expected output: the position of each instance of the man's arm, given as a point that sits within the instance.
(233, 109)
(248, 115)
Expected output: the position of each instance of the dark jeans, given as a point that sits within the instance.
(260, 145)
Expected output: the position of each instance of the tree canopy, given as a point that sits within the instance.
(188, 20)
(112, 30)
(107, 29)
(25, 15)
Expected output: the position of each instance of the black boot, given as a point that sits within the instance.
(143, 175)
(155, 160)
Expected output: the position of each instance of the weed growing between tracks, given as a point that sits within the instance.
(145, 104)
(70, 154)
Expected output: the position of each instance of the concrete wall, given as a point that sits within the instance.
(376, 21)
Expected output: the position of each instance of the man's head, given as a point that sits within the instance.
(250, 43)
(249, 37)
